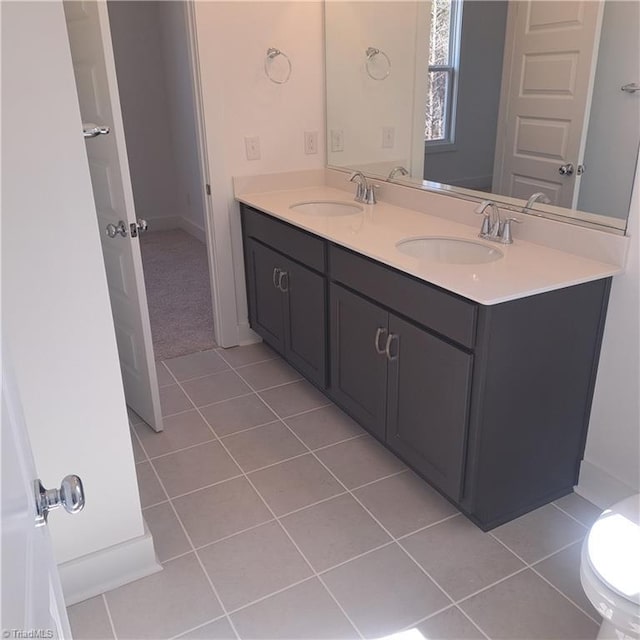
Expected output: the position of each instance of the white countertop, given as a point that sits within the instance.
(526, 268)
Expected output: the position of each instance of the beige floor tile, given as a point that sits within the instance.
(404, 503)
(180, 431)
(305, 611)
(525, 607)
(214, 388)
(324, 426)
(451, 624)
(168, 537)
(358, 461)
(460, 557)
(539, 533)
(164, 377)
(151, 491)
(173, 400)
(239, 356)
(581, 509)
(164, 604)
(253, 564)
(334, 531)
(218, 630)
(138, 453)
(220, 511)
(563, 571)
(89, 620)
(271, 373)
(263, 446)
(195, 468)
(384, 591)
(293, 398)
(294, 484)
(196, 365)
(235, 415)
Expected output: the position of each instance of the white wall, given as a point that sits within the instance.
(178, 78)
(360, 106)
(239, 101)
(135, 31)
(611, 466)
(55, 305)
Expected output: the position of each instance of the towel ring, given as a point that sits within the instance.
(372, 53)
(273, 53)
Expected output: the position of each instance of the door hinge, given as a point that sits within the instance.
(208, 189)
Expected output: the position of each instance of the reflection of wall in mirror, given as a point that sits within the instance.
(611, 151)
(469, 161)
(360, 106)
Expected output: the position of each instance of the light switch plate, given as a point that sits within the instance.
(337, 140)
(310, 142)
(252, 147)
(388, 137)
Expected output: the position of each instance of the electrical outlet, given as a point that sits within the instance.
(337, 140)
(252, 147)
(310, 142)
(388, 137)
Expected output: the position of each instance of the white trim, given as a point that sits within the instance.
(597, 486)
(221, 270)
(106, 569)
(247, 335)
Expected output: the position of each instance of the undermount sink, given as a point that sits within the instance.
(327, 208)
(449, 250)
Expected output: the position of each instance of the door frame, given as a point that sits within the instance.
(220, 258)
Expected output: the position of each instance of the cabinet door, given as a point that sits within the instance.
(358, 371)
(265, 299)
(305, 318)
(428, 401)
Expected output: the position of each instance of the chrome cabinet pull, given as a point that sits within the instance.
(284, 276)
(276, 277)
(387, 347)
(376, 341)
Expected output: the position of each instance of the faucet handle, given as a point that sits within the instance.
(481, 209)
(370, 194)
(506, 236)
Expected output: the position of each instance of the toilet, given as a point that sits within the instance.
(610, 569)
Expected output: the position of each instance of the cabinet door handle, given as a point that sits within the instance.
(376, 342)
(387, 347)
(283, 276)
(276, 277)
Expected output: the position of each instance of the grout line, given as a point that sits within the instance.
(235, 533)
(155, 504)
(273, 386)
(404, 536)
(367, 484)
(244, 430)
(566, 513)
(191, 446)
(313, 504)
(207, 486)
(106, 606)
(247, 364)
(200, 626)
(190, 541)
(144, 452)
(295, 544)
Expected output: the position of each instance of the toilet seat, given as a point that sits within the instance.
(610, 567)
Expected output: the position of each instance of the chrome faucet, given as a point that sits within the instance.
(493, 227)
(539, 196)
(399, 169)
(365, 192)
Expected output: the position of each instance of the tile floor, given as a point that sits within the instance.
(275, 516)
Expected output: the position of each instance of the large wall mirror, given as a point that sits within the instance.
(471, 97)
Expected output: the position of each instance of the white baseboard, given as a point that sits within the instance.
(108, 568)
(246, 335)
(597, 486)
(166, 223)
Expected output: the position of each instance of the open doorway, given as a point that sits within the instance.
(157, 98)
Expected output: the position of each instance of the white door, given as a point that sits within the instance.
(547, 81)
(31, 593)
(94, 67)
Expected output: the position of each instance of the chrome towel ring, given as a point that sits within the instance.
(272, 54)
(378, 64)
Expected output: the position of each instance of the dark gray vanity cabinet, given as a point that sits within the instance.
(403, 384)
(489, 403)
(287, 301)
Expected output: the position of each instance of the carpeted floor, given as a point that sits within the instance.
(176, 275)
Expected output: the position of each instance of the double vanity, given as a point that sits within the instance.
(474, 362)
